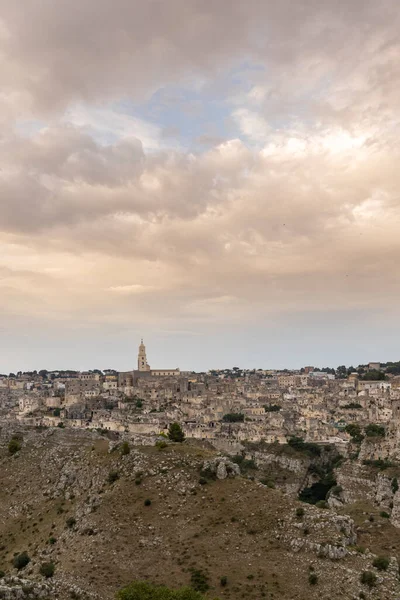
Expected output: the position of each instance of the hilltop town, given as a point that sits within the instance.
(224, 407)
(303, 465)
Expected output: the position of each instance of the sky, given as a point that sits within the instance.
(219, 178)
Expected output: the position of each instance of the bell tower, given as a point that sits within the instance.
(142, 360)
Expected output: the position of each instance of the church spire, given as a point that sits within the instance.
(142, 360)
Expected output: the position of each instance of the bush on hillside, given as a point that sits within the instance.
(199, 581)
(297, 443)
(47, 569)
(14, 445)
(233, 418)
(368, 578)
(141, 590)
(113, 476)
(381, 563)
(374, 430)
(21, 560)
(125, 448)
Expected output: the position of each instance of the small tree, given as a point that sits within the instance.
(175, 433)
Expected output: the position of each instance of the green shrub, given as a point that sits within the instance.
(233, 418)
(61, 425)
(2, 574)
(368, 578)
(300, 512)
(52, 540)
(384, 514)
(272, 407)
(309, 448)
(322, 504)
(395, 485)
(47, 569)
(354, 431)
(374, 430)
(381, 563)
(21, 560)
(175, 433)
(312, 579)
(70, 522)
(14, 446)
(223, 581)
(380, 463)
(141, 590)
(147, 502)
(113, 476)
(199, 581)
(125, 448)
(161, 444)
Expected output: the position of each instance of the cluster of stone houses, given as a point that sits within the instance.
(254, 406)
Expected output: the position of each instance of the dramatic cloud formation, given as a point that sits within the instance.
(192, 169)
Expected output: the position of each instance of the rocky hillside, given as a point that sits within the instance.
(102, 514)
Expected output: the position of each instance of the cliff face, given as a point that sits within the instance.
(105, 516)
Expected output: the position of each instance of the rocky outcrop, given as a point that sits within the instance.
(221, 467)
(15, 588)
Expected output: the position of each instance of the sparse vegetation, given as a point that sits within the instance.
(147, 502)
(199, 580)
(21, 560)
(272, 407)
(355, 432)
(125, 448)
(368, 578)
(70, 522)
(309, 448)
(374, 430)
(312, 579)
(142, 590)
(300, 512)
(14, 445)
(113, 476)
(47, 569)
(379, 463)
(381, 563)
(161, 444)
(233, 418)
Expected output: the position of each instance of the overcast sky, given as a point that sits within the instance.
(221, 178)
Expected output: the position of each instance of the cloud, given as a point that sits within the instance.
(105, 218)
